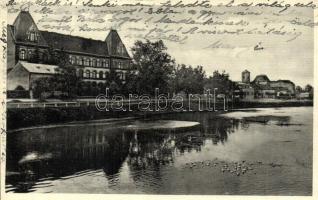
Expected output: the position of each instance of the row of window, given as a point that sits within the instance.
(33, 36)
(89, 62)
(119, 65)
(28, 54)
(99, 75)
(93, 62)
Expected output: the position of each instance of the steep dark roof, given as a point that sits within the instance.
(22, 24)
(75, 43)
(113, 42)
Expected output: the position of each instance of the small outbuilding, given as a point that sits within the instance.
(24, 74)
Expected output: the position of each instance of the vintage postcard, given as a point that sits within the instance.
(194, 99)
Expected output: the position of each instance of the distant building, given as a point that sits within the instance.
(245, 91)
(93, 58)
(303, 95)
(263, 87)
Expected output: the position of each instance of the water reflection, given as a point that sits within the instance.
(68, 152)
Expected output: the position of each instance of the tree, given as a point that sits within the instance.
(298, 89)
(114, 83)
(310, 90)
(129, 86)
(41, 86)
(188, 79)
(66, 78)
(220, 81)
(154, 66)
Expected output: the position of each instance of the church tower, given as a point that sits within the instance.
(246, 76)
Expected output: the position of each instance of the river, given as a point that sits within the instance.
(248, 152)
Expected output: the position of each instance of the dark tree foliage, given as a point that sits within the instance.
(310, 90)
(66, 78)
(114, 83)
(220, 81)
(154, 66)
(41, 86)
(189, 80)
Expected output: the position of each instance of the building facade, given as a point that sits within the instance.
(263, 87)
(27, 45)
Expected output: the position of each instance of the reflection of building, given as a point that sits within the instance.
(263, 87)
(30, 51)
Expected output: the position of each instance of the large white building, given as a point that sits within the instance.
(92, 58)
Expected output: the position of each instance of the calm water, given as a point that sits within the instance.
(262, 151)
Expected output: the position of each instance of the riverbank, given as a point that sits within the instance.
(269, 103)
(18, 118)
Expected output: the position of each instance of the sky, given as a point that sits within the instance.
(278, 56)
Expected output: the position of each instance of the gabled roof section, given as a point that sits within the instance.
(75, 43)
(115, 45)
(39, 68)
(22, 25)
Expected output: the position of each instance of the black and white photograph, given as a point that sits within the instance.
(158, 97)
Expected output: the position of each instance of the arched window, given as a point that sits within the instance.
(120, 65)
(103, 63)
(86, 62)
(72, 59)
(88, 74)
(30, 53)
(107, 63)
(98, 63)
(123, 76)
(94, 62)
(90, 62)
(22, 54)
(80, 60)
(94, 74)
(100, 74)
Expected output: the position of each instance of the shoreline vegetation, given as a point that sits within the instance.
(25, 118)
